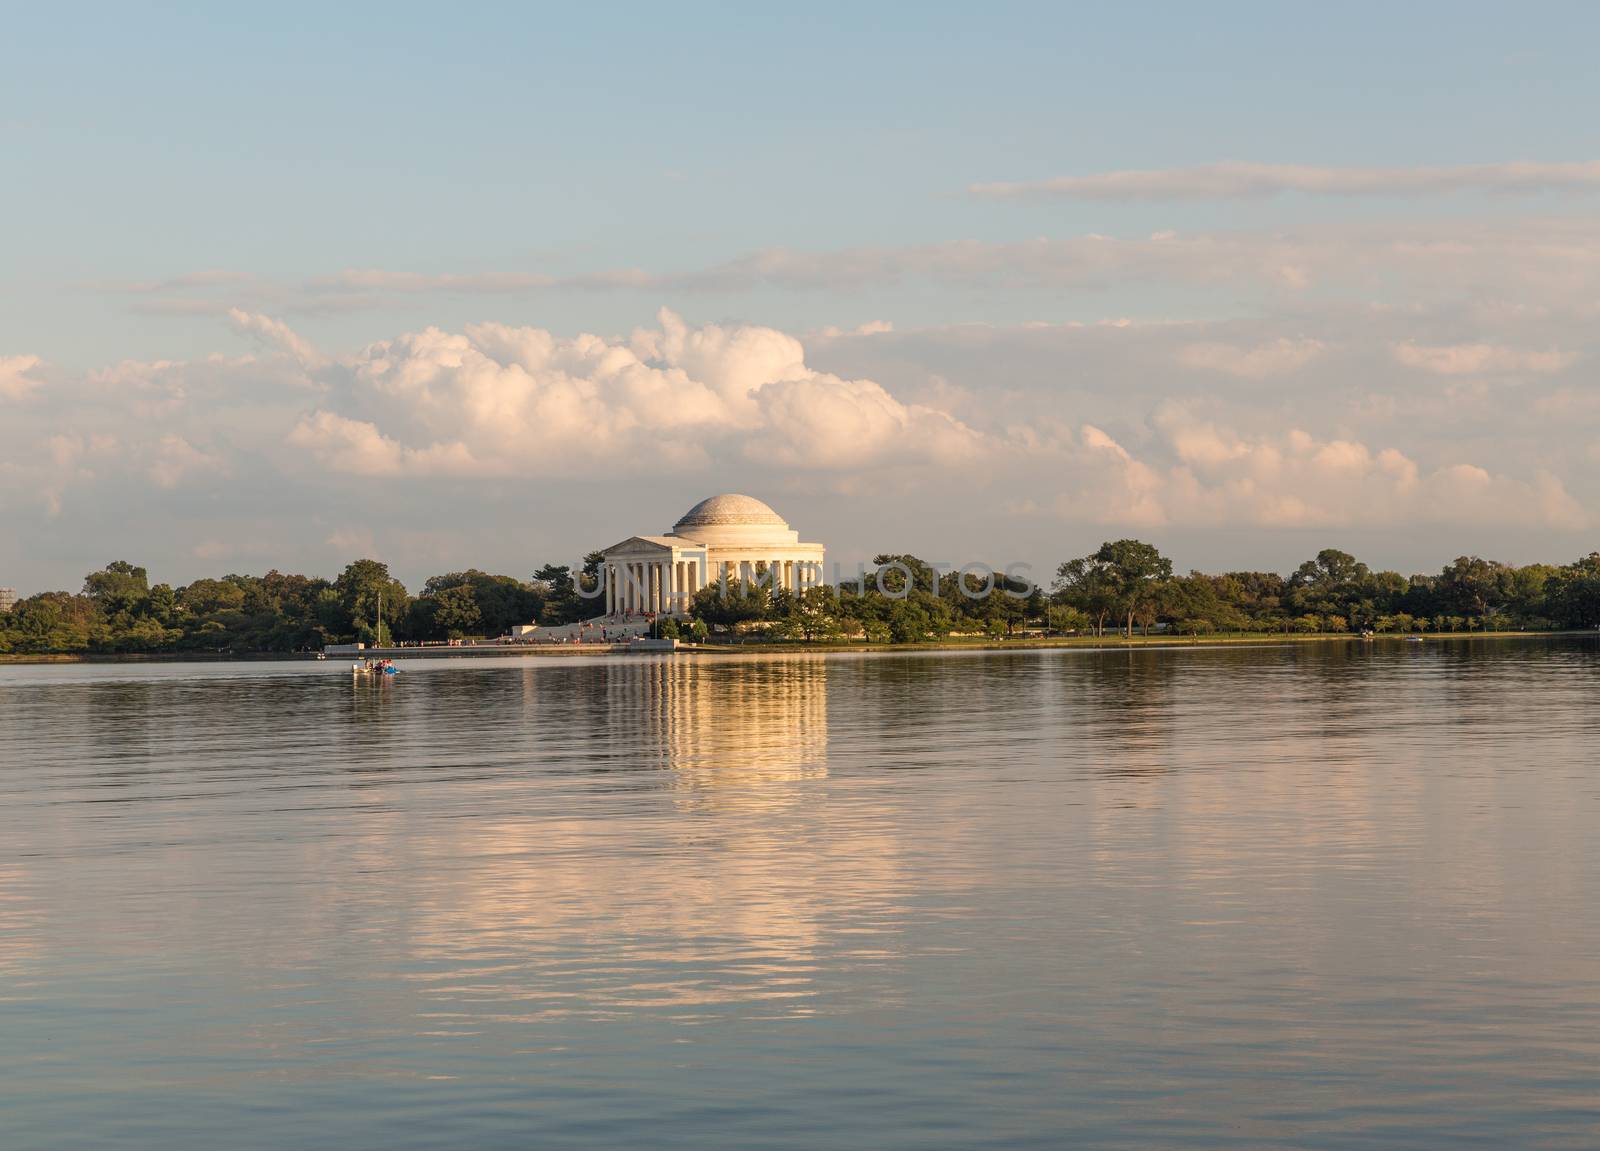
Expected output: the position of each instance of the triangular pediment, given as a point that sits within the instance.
(644, 545)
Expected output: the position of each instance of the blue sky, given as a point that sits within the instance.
(355, 173)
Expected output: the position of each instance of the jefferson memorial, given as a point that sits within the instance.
(725, 537)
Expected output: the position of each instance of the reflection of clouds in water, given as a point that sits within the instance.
(21, 948)
(1273, 792)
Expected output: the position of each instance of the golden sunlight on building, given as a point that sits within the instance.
(730, 537)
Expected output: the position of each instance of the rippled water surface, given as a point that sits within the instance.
(1320, 896)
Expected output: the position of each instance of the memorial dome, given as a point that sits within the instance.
(729, 509)
(732, 518)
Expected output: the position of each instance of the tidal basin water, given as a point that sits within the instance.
(1320, 896)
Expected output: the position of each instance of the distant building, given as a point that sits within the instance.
(724, 537)
(8, 598)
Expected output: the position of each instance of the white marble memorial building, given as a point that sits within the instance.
(728, 536)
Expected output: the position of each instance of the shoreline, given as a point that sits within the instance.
(1114, 643)
(780, 647)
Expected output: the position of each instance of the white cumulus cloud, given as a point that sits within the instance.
(176, 459)
(15, 382)
(276, 334)
(499, 400)
(1199, 473)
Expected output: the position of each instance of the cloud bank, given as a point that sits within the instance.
(436, 446)
(495, 400)
(1218, 477)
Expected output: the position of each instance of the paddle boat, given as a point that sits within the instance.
(384, 667)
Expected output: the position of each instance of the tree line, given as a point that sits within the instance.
(1124, 586)
(119, 610)
(1131, 584)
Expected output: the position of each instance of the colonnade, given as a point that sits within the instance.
(657, 586)
(666, 586)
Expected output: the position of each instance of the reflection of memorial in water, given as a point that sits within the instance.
(703, 869)
(732, 733)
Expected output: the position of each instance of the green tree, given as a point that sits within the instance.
(888, 565)
(1066, 619)
(814, 614)
(205, 597)
(456, 610)
(1572, 594)
(730, 606)
(502, 603)
(909, 622)
(561, 601)
(1088, 585)
(1472, 587)
(1199, 598)
(361, 589)
(1135, 571)
(1331, 584)
(162, 604)
(118, 587)
(54, 621)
